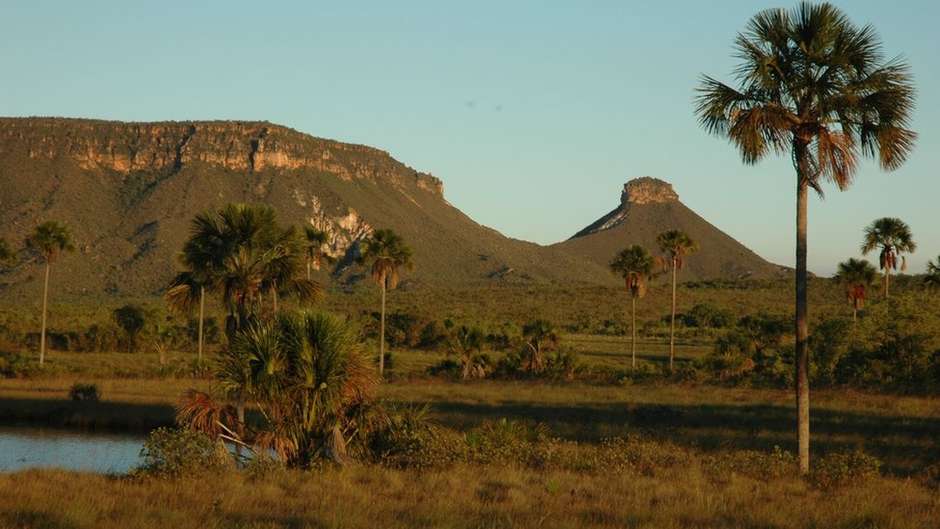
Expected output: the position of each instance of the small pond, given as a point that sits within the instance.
(27, 447)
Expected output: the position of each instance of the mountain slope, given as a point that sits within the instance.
(650, 206)
(129, 190)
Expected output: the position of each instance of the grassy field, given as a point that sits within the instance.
(459, 497)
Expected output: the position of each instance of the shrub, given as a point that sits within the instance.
(171, 452)
(840, 468)
(752, 463)
(84, 392)
(15, 365)
(408, 439)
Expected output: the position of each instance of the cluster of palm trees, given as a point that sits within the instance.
(814, 86)
(636, 266)
(892, 237)
(241, 253)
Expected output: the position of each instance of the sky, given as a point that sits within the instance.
(533, 113)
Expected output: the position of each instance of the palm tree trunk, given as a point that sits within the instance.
(887, 280)
(202, 314)
(45, 299)
(672, 325)
(308, 269)
(382, 333)
(633, 331)
(802, 332)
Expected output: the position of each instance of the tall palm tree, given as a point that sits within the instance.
(635, 266)
(386, 251)
(812, 85)
(186, 292)
(893, 237)
(856, 275)
(674, 245)
(932, 279)
(49, 240)
(240, 252)
(314, 242)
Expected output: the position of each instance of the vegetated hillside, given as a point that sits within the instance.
(650, 206)
(129, 190)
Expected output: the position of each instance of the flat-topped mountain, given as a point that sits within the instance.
(129, 190)
(649, 206)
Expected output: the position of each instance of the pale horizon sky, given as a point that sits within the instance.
(533, 114)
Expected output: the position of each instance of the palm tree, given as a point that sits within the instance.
(893, 237)
(538, 336)
(812, 85)
(307, 377)
(314, 242)
(49, 239)
(932, 279)
(387, 253)
(635, 266)
(674, 245)
(466, 342)
(855, 275)
(240, 252)
(187, 291)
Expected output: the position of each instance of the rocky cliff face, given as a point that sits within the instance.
(128, 192)
(647, 190)
(170, 146)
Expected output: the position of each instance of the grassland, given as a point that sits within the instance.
(708, 423)
(459, 497)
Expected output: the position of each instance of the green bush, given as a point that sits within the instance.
(841, 468)
(80, 392)
(170, 452)
(16, 365)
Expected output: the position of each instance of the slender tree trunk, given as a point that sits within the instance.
(45, 299)
(887, 280)
(202, 315)
(802, 332)
(633, 331)
(382, 333)
(308, 269)
(672, 325)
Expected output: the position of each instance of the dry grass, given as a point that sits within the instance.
(460, 497)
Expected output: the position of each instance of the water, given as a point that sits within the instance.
(24, 448)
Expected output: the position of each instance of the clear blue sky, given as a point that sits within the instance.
(533, 113)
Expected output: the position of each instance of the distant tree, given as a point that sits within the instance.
(674, 245)
(467, 342)
(186, 291)
(635, 266)
(48, 240)
(386, 252)
(856, 275)
(131, 319)
(893, 237)
(815, 86)
(539, 337)
(314, 243)
(932, 279)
